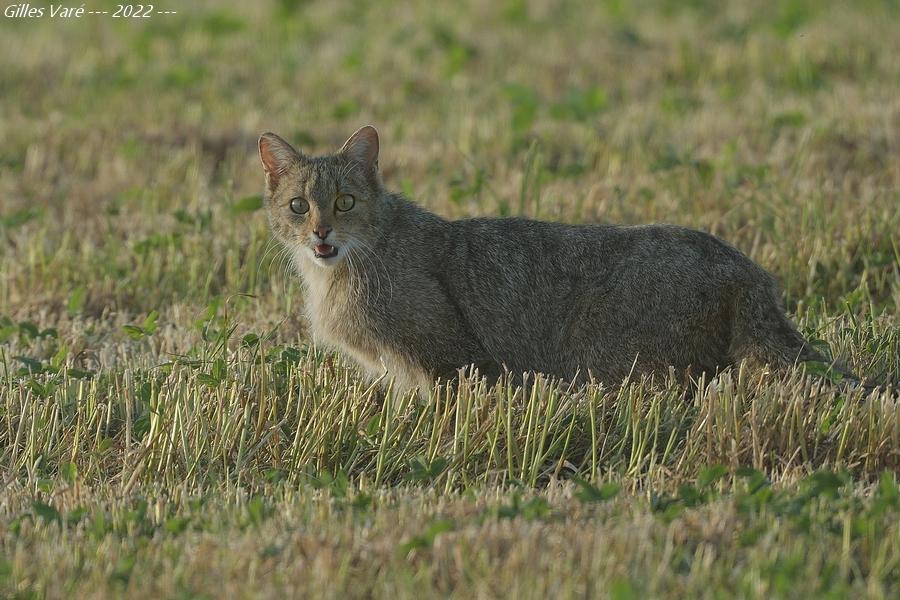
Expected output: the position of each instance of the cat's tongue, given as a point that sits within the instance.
(324, 250)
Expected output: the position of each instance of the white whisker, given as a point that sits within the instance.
(371, 265)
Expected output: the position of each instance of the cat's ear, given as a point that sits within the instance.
(362, 147)
(276, 155)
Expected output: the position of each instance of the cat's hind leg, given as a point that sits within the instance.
(762, 335)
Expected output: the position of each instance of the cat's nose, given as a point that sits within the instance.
(322, 232)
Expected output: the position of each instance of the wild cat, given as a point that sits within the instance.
(397, 288)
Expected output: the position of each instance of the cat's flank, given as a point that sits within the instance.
(396, 287)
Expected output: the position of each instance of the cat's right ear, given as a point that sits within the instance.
(276, 156)
(362, 147)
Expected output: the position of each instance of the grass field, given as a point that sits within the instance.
(168, 431)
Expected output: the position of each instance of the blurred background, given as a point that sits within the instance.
(129, 180)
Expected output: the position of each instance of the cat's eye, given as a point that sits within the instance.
(345, 202)
(299, 206)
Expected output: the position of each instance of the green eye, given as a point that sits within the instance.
(299, 206)
(345, 202)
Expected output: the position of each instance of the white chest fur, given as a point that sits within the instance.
(337, 320)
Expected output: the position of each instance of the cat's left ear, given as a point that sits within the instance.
(362, 147)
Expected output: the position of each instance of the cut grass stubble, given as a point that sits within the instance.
(298, 413)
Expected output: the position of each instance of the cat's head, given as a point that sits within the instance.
(322, 207)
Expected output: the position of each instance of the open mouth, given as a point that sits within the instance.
(325, 250)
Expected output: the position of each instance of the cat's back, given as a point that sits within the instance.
(590, 250)
(523, 247)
